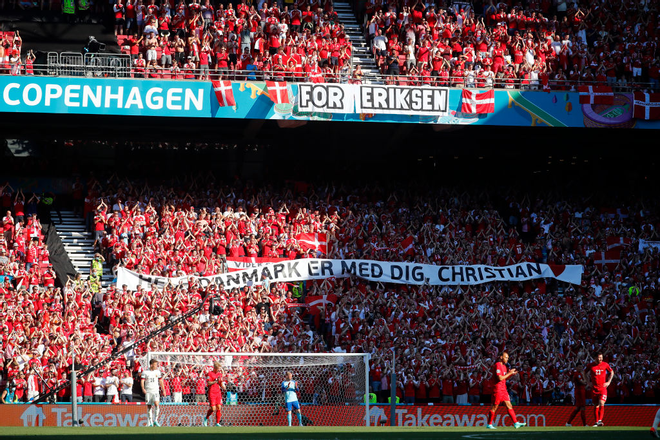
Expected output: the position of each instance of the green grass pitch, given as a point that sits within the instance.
(332, 433)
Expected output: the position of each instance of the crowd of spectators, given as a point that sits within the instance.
(24, 256)
(204, 40)
(445, 338)
(198, 41)
(536, 44)
(539, 44)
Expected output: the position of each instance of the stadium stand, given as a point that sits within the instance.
(307, 40)
(536, 45)
(551, 328)
(24, 258)
(544, 44)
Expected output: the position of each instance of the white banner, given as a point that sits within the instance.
(382, 271)
(375, 99)
(242, 263)
(424, 101)
(644, 244)
(326, 98)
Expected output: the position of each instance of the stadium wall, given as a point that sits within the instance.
(108, 415)
(316, 102)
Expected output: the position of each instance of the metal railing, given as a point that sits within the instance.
(120, 66)
(70, 64)
(107, 65)
(53, 60)
(75, 64)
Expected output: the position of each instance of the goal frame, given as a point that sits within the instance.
(366, 357)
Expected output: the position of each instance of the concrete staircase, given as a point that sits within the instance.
(79, 244)
(362, 54)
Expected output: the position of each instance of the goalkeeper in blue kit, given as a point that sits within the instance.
(291, 390)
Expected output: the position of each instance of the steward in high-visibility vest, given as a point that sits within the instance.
(297, 290)
(69, 7)
(97, 264)
(633, 291)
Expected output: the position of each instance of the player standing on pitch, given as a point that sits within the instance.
(291, 390)
(216, 387)
(656, 422)
(599, 372)
(500, 374)
(152, 383)
(580, 396)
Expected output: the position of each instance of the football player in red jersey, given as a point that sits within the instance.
(601, 375)
(580, 396)
(500, 374)
(216, 387)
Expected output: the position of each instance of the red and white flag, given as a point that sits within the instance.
(278, 92)
(617, 242)
(474, 102)
(596, 95)
(408, 245)
(608, 258)
(224, 93)
(545, 81)
(314, 242)
(646, 105)
(316, 302)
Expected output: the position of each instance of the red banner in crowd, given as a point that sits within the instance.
(192, 415)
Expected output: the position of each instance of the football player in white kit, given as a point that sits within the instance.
(152, 383)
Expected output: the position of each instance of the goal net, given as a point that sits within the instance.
(333, 388)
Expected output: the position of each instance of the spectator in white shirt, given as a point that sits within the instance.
(99, 389)
(126, 387)
(112, 387)
(380, 44)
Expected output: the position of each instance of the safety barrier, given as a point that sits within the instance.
(108, 65)
(120, 66)
(70, 64)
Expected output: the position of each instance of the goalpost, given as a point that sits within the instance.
(334, 388)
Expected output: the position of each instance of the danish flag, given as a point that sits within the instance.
(610, 258)
(646, 105)
(316, 302)
(278, 92)
(316, 242)
(408, 245)
(596, 95)
(474, 102)
(616, 242)
(224, 93)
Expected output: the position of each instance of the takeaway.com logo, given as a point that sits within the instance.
(33, 416)
(92, 418)
(405, 417)
(377, 416)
